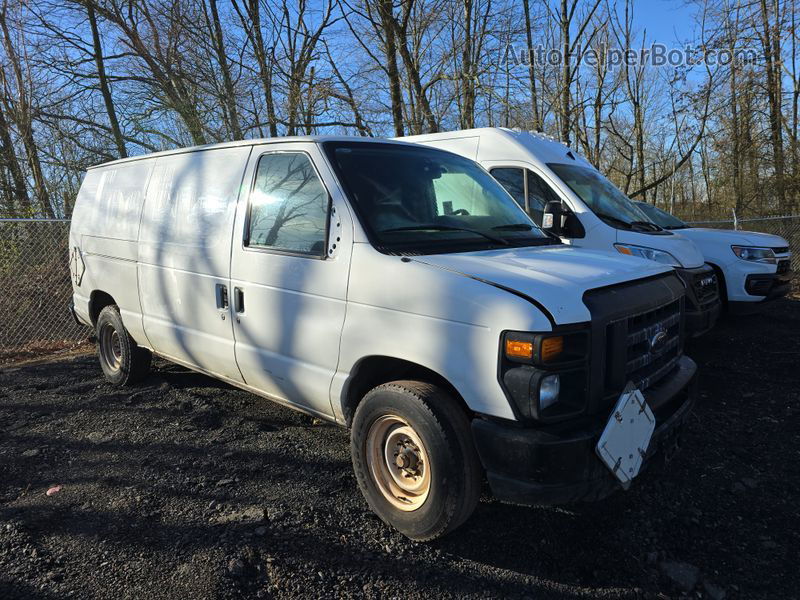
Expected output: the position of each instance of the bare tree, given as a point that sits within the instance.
(18, 89)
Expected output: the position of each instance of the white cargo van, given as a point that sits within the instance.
(397, 290)
(751, 267)
(564, 193)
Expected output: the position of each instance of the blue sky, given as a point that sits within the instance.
(666, 21)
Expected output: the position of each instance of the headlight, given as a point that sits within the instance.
(660, 256)
(755, 254)
(545, 375)
(549, 387)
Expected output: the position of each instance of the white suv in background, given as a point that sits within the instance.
(751, 267)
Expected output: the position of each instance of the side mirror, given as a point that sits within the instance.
(552, 219)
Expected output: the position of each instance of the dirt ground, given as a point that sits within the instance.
(186, 488)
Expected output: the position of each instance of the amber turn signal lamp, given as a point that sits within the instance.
(518, 349)
(552, 347)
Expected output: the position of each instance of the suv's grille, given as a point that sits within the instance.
(781, 250)
(783, 266)
(705, 288)
(653, 344)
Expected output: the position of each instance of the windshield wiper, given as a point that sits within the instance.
(647, 225)
(527, 227)
(635, 225)
(614, 220)
(433, 227)
(513, 227)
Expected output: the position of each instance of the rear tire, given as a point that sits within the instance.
(414, 458)
(122, 360)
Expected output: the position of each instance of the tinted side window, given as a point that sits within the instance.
(539, 194)
(514, 182)
(288, 206)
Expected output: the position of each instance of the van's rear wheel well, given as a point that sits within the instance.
(97, 302)
(373, 371)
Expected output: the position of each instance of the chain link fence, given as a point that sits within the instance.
(36, 289)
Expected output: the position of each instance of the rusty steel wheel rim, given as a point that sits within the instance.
(398, 462)
(110, 347)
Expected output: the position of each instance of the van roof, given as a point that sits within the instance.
(252, 142)
(508, 143)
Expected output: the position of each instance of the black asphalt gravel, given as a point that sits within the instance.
(184, 487)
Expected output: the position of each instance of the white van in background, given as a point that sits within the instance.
(397, 290)
(544, 175)
(751, 267)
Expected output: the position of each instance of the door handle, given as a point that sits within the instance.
(222, 296)
(238, 300)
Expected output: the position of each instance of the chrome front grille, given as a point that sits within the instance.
(653, 344)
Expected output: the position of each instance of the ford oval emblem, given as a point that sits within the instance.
(657, 342)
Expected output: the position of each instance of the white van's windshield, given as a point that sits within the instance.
(660, 217)
(423, 200)
(603, 198)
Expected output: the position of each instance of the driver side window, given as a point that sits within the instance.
(539, 194)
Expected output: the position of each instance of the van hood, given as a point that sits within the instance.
(732, 237)
(554, 276)
(682, 248)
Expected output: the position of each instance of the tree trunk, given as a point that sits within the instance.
(566, 83)
(536, 123)
(17, 188)
(105, 90)
(23, 118)
(467, 76)
(385, 11)
(229, 93)
(771, 46)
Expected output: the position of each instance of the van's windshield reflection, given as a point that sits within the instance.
(416, 199)
(603, 198)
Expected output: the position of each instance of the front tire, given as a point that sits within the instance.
(122, 360)
(414, 458)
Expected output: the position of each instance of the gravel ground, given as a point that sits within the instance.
(186, 488)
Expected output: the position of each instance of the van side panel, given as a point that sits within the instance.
(105, 226)
(184, 256)
(287, 336)
(441, 320)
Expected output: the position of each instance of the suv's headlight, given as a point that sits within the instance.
(660, 256)
(755, 254)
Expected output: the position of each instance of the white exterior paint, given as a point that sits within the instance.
(495, 147)
(162, 233)
(715, 244)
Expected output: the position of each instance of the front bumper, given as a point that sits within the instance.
(763, 287)
(703, 305)
(557, 464)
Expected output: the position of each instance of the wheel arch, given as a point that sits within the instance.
(372, 371)
(98, 300)
(722, 284)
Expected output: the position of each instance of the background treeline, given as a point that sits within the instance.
(87, 81)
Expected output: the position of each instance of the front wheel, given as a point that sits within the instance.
(414, 458)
